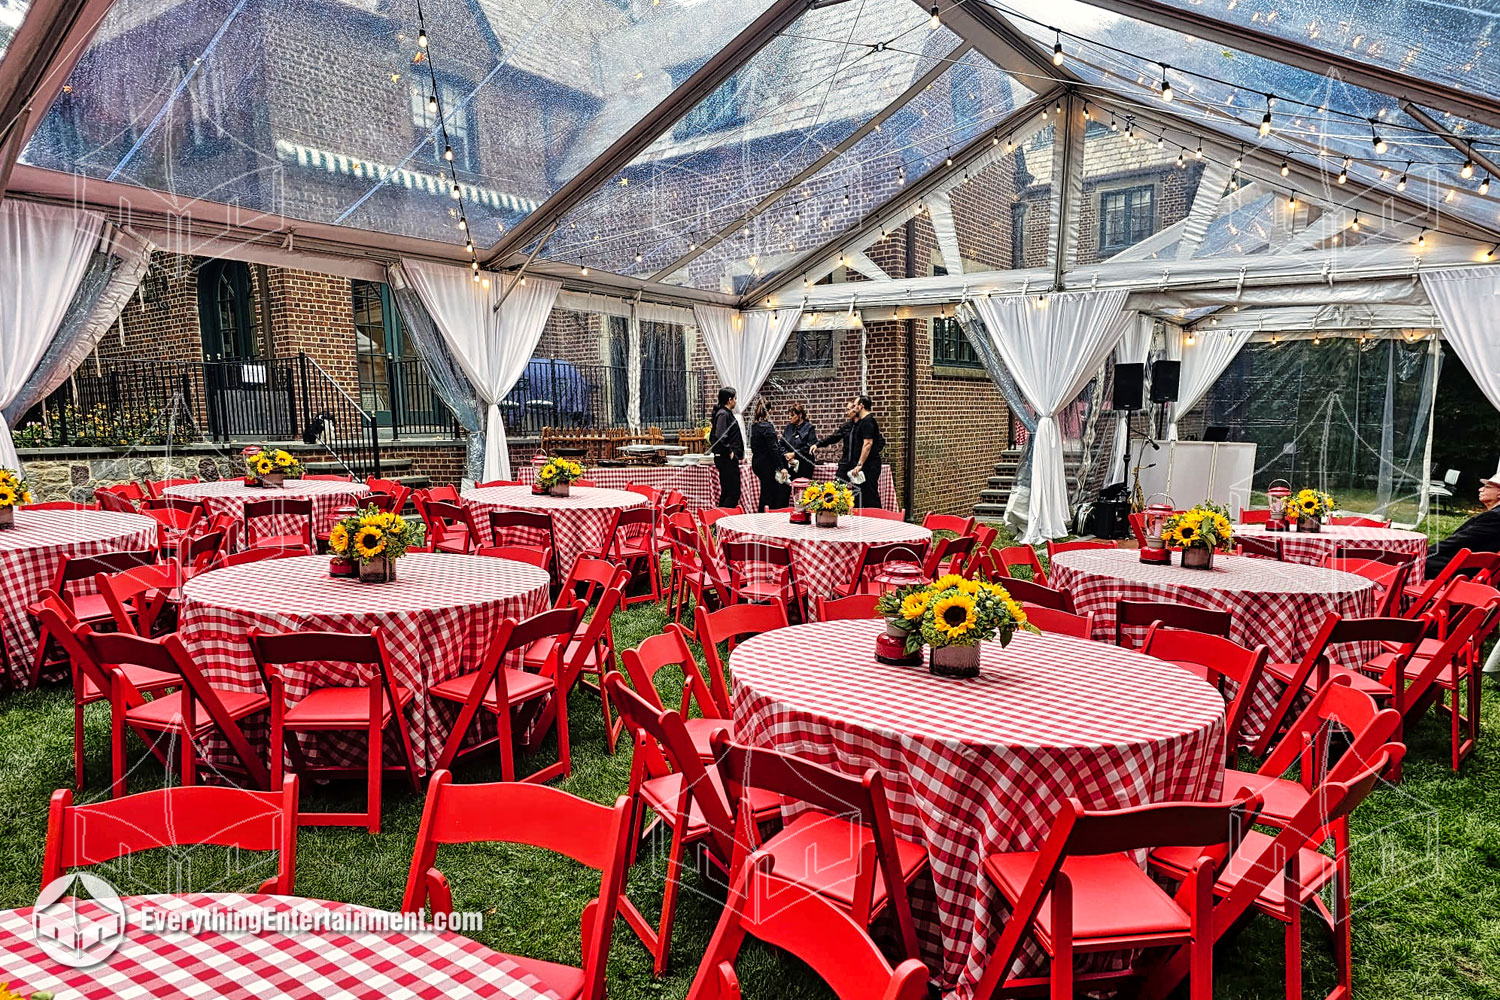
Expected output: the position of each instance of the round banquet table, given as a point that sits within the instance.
(580, 521)
(229, 496)
(1311, 548)
(979, 766)
(1281, 604)
(439, 616)
(822, 558)
(341, 962)
(32, 551)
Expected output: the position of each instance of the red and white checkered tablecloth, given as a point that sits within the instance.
(822, 558)
(699, 484)
(31, 552)
(343, 962)
(229, 496)
(1281, 604)
(980, 766)
(1311, 548)
(580, 521)
(439, 616)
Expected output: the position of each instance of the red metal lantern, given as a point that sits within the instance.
(1157, 514)
(1277, 497)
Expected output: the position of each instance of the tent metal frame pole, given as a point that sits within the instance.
(1434, 126)
(704, 81)
(1476, 106)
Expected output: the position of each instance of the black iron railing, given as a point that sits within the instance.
(414, 407)
(558, 393)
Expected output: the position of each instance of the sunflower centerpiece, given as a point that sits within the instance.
(557, 475)
(1198, 533)
(1309, 507)
(13, 493)
(953, 616)
(826, 501)
(270, 467)
(373, 539)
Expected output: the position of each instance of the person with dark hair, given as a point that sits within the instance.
(728, 446)
(799, 439)
(768, 462)
(844, 437)
(866, 444)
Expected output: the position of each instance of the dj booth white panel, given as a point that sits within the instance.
(1192, 471)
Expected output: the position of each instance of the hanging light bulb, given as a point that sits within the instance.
(476, 277)
(1422, 238)
(1161, 142)
(523, 281)
(474, 264)
(422, 38)
(1449, 195)
(1484, 185)
(463, 223)
(1344, 175)
(1285, 168)
(469, 245)
(995, 139)
(432, 104)
(583, 269)
(1265, 122)
(1010, 144)
(947, 162)
(1490, 253)
(1086, 116)
(1355, 224)
(1467, 170)
(1058, 109)
(1376, 141)
(1401, 184)
(456, 192)
(1166, 86)
(934, 19)
(1114, 126)
(1239, 159)
(1057, 52)
(1181, 160)
(637, 256)
(1291, 201)
(448, 153)
(1198, 153)
(1044, 112)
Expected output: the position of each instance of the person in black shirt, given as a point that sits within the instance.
(843, 437)
(866, 443)
(728, 446)
(1480, 533)
(768, 462)
(799, 439)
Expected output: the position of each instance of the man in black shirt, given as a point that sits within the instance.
(1480, 533)
(866, 442)
(844, 437)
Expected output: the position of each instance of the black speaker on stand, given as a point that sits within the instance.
(1165, 376)
(1130, 387)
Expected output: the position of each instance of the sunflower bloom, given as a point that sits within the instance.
(954, 616)
(369, 542)
(338, 539)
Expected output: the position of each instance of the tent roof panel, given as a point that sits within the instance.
(12, 13)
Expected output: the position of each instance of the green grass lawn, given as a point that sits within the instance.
(1426, 864)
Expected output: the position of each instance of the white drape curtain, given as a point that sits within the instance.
(44, 253)
(744, 347)
(492, 345)
(1133, 349)
(1205, 354)
(1467, 303)
(1052, 349)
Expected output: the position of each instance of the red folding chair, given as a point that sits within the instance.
(192, 714)
(652, 495)
(1478, 567)
(520, 527)
(631, 542)
(100, 832)
(1013, 557)
(91, 681)
(884, 566)
(880, 513)
(670, 649)
(1083, 892)
(158, 487)
(668, 778)
(1255, 515)
(1028, 592)
(1059, 622)
(1388, 574)
(1054, 548)
(948, 556)
(368, 705)
(109, 499)
(1358, 521)
(1281, 876)
(707, 518)
(498, 689)
(590, 652)
(693, 568)
(1144, 614)
(843, 846)
(129, 494)
(274, 507)
(328, 477)
(858, 606)
(1259, 547)
(176, 522)
(92, 609)
(391, 488)
(137, 597)
(948, 522)
(498, 482)
(1221, 662)
(730, 625)
(760, 573)
(535, 816)
(228, 559)
(789, 916)
(450, 524)
(541, 557)
(62, 505)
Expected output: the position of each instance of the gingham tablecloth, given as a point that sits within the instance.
(699, 484)
(229, 496)
(1282, 604)
(330, 965)
(31, 552)
(1311, 548)
(822, 558)
(439, 616)
(979, 766)
(580, 521)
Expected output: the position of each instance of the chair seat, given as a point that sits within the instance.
(520, 685)
(279, 541)
(661, 794)
(1364, 682)
(537, 653)
(1313, 870)
(1282, 797)
(563, 980)
(1113, 898)
(458, 546)
(144, 678)
(164, 714)
(1426, 649)
(760, 590)
(822, 852)
(340, 708)
(700, 731)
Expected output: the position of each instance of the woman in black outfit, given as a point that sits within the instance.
(799, 438)
(768, 461)
(728, 446)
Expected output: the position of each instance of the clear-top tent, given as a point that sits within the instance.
(738, 152)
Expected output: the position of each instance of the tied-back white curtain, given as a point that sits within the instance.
(1133, 349)
(1467, 303)
(744, 346)
(44, 252)
(1052, 348)
(492, 345)
(1204, 354)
